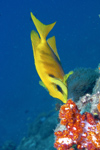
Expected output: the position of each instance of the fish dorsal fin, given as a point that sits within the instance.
(35, 41)
(42, 29)
(35, 38)
(52, 43)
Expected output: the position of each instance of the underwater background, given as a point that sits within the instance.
(77, 33)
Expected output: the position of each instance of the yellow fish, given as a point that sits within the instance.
(47, 61)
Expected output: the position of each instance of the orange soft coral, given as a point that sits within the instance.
(98, 106)
(76, 129)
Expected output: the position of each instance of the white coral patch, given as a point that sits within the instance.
(66, 141)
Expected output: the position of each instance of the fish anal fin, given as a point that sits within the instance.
(52, 43)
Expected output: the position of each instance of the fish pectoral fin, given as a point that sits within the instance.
(42, 84)
(66, 76)
(34, 38)
(52, 43)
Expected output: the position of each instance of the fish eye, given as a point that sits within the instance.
(59, 89)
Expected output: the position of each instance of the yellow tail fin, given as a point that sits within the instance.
(42, 29)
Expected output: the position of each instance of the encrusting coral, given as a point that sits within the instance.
(89, 103)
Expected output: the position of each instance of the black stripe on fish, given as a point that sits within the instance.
(44, 53)
(52, 56)
(49, 64)
(50, 75)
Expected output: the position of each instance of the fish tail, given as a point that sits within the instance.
(42, 29)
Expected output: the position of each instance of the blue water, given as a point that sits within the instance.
(77, 34)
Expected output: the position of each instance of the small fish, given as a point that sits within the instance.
(47, 61)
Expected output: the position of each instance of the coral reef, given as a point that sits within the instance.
(9, 145)
(81, 82)
(79, 123)
(40, 134)
(79, 127)
(75, 128)
(97, 86)
(89, 103)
